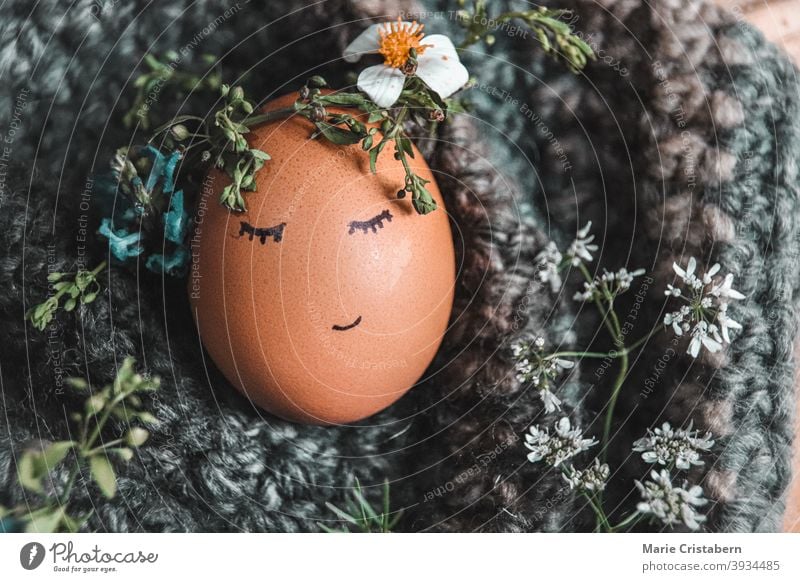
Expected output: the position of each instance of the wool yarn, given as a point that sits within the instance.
(679, 140)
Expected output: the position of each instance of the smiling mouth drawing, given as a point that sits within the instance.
(346, 327)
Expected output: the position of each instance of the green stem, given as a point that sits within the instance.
(588, 276)
(103, 447)
(602, 520)
(65, 493)
(102, 421)
(600, 355)
(270, 116)
(642, 340)
(612, 402)
(98, 268)
(632, 519)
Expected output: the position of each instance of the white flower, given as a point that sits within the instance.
(563, 444)
(438, 64)
(724, 290)
(534, 367)
(581, 249)
(591, 479)
(705, 313)
(726, 323)
(549, 262)
(688, 275)
(551, 401)
(670, 504)
(611, 283)
(705, 335)
(667, 446)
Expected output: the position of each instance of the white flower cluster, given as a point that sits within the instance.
(679, 447)
(554, 449)
(670, 504)
(611, 283)
(705, 314)
(549, 264)
(582, 248)
(592, 479)
(550, 261)
(534, 367)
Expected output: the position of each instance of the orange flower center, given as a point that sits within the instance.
(397, 40)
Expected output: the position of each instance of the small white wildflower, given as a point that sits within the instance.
(671, 505)
(611, 283)
(705, 335)
(551, 401)
(667, 446)
(705, 314)
(554, 449)
(593, 478)
(549, 262)
(589, 290)
(726, 323)
(534, 367)
(724, 289)
(582, 248)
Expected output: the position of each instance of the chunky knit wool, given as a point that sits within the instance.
(680, 140)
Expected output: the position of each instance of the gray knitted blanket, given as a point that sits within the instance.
(680, 140)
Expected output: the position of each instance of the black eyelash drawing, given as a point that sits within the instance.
(373, 223)
(276, 232)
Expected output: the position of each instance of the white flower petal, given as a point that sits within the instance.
(367, 42)
(439, 45)
(691, 267)
(382, 84)
(439, 66)
(694, 347)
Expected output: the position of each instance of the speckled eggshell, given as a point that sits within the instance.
(277, 317)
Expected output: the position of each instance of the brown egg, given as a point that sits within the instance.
(326, 301)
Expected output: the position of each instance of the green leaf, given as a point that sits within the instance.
(346, 99)
(337, 135)
(405, 144)
(136, 436)
(95, 403)
(259, 155)
(373, 159)
(124, 453)
(70, 304)
(29, 471)
(78, 384)
(317, 81)
(53, 277)
(103, 475)
(147, 418)
(56, 452)
(342, 514)
(47, 522)
(375, 116)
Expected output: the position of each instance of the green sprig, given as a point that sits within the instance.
(360, 516)
(121, 400)
(82, 288)
(547, 24)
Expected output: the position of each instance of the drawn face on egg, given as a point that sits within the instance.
(328, 299)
